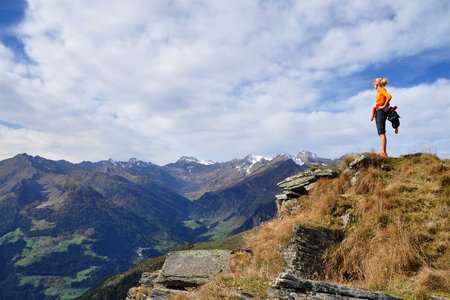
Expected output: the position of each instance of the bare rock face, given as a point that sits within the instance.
(301, 183)
(192, 268)
(303, 254)
(292, 288)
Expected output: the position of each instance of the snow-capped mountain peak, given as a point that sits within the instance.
(250, 163)
(306, 157)
(191, 159)
(253, 159)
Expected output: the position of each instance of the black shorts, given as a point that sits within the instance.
(380, 120)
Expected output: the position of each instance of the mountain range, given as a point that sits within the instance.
(64, 226)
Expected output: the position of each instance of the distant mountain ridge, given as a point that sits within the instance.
(193, 177)
(63, 226)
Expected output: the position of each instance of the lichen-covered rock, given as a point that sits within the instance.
(363, 160)
(290, 287)
(300, 184)
(193, 267)
(147, 278)
(303, 255)
(355, 178)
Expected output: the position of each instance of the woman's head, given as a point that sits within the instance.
(380, 82)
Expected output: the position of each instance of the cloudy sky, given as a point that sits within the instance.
(92, 80)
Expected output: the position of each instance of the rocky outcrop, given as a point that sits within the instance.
(301, 183)
(353, 169)
(147, 278)
(181, 270)
(362, 160)
(146, 284)
(290, 287)
(193, 267)
(303, 255)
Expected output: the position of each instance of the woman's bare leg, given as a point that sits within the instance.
(383, 142)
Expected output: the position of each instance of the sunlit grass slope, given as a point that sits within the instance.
(397, 240)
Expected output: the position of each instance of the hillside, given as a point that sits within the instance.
(116, 287)
(64, 227)
(244, 205)
(391, 220)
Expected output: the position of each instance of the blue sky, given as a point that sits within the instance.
(83, 80)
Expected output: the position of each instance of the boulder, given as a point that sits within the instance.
(303, 255)
(300, 184)
(192, 268)
(287, 286)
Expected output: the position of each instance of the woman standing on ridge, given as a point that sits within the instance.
(381, 111)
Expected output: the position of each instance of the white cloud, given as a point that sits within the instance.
(157, 80)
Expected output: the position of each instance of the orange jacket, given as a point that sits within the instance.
(382, 97)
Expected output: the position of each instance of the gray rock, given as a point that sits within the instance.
(290, 287)
(297, 182)
(281, 196)
(301, 184)
(362, 160)
(286, 207)
(164, 294)
(244, 295)
(193, 267)
(147, 279)
(303, 255)
(346, 219)
(355, 178)
(286, 195)
(242, 250)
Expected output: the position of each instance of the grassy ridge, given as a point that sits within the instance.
(397, 239)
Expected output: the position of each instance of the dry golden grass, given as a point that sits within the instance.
(398, 240)
(373, 258)
(227, 287)
(400, 209)
(139, 292)
(403, 226)
(433, 279)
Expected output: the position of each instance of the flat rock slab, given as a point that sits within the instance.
(193, 267)
(287, 286)
(302, 182)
